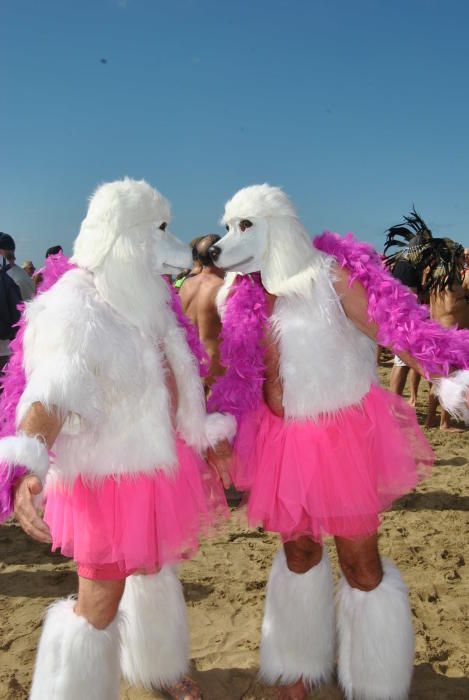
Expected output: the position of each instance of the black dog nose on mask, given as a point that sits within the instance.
(214, 252)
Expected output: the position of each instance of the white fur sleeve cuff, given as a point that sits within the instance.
(24, 451)
(453, 392)
(218, 427)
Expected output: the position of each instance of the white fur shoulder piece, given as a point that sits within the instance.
(24, 451)
(453, 392)
(224, 292)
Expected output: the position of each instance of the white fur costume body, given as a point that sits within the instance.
(326, 364)
(97, 348)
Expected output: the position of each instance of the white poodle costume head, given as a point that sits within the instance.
(266, 236)
(125, 243)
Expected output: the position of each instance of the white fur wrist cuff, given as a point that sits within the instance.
(218, 427)
(453, 394)
(29, 452)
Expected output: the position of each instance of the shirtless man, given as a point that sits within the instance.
(450, 307)
(198, 298)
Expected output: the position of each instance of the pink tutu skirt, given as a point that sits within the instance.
(334, 475)
(136, 522)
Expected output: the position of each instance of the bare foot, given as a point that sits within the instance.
(297, 691)
(412, 401)
(451, 429)
(186, 689)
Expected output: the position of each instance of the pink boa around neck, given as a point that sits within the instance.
(403, 323)
(241, 352)
(13, 381)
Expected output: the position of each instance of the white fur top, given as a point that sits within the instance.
(107, 378)
(326, 363)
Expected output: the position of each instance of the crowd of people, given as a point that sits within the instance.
(130, 422)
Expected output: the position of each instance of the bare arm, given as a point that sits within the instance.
(355, 304)
(45, 426)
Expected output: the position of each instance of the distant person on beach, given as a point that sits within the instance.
(449, 305)
(53, 250)
(198, 296)
(23, 281)
(405, 266)
(28, 267)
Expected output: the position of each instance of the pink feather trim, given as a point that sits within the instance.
(13, 383)
(403, 323)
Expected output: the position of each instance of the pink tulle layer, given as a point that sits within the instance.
(139, 522)
(332, 476)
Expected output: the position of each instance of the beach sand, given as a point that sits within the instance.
(426, 534)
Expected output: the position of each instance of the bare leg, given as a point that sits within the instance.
(360, 562)
(398, 379)
(301, 555)
(98, 601)
(433, 403)
(414, 386)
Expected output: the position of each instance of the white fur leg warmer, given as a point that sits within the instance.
(376, 639)
(155, 638)
(298, 626)
(75, 660)
(453, 392)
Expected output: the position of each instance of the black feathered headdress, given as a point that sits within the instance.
(438, 260)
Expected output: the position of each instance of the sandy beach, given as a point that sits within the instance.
(426, 534)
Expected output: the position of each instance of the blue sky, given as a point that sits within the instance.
(358, 109)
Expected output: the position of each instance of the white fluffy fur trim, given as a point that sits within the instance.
(453, 392)
(376, 639)
(155, 639)
(21, 450)
(219, 426)
(298, 626)
(224, 292)
(75, 660)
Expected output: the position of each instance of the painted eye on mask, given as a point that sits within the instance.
(163, 226)
(244, 224)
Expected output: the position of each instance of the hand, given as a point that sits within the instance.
(27, 515)
(219, 457)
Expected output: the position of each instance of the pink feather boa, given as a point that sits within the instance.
(403, 325)
(14, 380)
(241, 352)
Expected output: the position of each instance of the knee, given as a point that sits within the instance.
(98, 601)
(302, 555)
(364, 575)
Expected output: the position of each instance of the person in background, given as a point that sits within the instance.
(22, 280)
(406, 266)
(449, 305)
(53, 250)
(198, 296)
(28, 267)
